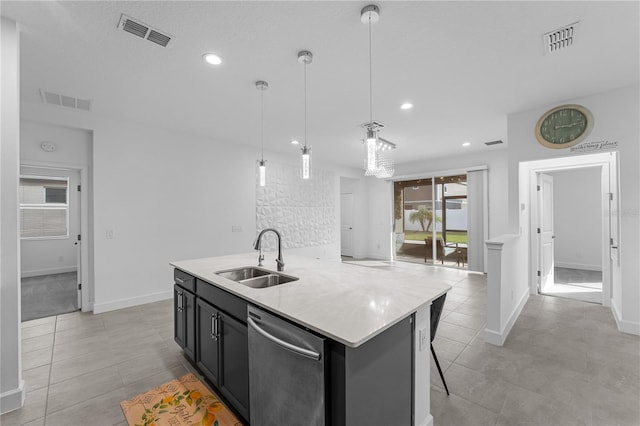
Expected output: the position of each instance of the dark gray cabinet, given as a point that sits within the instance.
(222, 354)
(184, 313)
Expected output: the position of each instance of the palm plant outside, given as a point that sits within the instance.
(423, 215)
(425, 218)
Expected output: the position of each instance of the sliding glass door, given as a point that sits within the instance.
(431, 220)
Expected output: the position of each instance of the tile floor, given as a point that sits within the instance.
(564, 363)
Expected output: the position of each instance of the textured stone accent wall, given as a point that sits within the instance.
(304, 212)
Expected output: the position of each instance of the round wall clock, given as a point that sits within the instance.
(564, 126)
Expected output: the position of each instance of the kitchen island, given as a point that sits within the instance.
(375, 320)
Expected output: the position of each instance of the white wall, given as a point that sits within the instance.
(11, 384)
(616, 121)
(166, 196)
(577, 218)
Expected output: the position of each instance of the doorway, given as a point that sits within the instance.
(574, 232)
(570, 233)
(50, 241)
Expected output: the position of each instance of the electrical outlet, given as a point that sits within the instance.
(236, 228)
(109, 234)
(422, 336)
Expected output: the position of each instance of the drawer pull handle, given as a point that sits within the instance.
(179, 280)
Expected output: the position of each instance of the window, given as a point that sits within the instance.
(44, 207)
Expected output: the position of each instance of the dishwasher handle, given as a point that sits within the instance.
(293, 348)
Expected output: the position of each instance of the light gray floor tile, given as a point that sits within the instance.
(455, 411)
(81, 347)
(446, 348)
(137, 368)
(155, 380)
(36, 358)
(36, 378)
(39, 330)
(455, 332)
(474, 322)
(33, 409)
(39, 321)
(37, 422)
(102, 410)
(82, 388)
(77, 366)
(39, 342)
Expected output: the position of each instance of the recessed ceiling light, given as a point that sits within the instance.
(294, 142)
(212, 58)
(466, 144)
(406, 105)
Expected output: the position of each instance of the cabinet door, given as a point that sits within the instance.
(179, 324)
(207, 352)
(184, 320)
(189, 310)
(234, 363)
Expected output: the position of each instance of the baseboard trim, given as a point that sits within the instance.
(13, 399)
(498, 338)
(582, 266)
(624, 326)
(426, 422)
(48, 271)
(113, 305)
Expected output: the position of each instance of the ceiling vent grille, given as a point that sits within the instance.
(560, 39)
(142, 30)
(493, 143)
(65, 101)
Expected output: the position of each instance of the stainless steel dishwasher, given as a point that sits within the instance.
(286, 372)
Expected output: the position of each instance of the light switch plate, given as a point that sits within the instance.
(236, 228)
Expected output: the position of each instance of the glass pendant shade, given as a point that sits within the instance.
(306, 163)
(262, 172)
(371, 156)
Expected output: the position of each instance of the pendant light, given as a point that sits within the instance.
(262, 166)
(305, 57)
(377, 162)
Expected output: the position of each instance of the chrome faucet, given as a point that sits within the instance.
(258, 246)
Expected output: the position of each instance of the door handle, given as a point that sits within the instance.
(214, 327)
(180, 302)
(293, 348)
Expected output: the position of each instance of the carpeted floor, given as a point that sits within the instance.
(49, 295)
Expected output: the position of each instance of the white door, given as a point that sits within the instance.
(545, 232)
(346, 224)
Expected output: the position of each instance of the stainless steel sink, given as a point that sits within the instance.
(255, 277)
(243, 273)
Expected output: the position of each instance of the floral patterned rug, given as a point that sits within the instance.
(184, 401)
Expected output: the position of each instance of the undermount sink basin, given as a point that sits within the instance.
(255, 277)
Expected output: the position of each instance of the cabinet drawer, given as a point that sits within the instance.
(227, 302)
(184, 280)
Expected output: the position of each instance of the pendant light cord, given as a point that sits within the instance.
(305, 103)
(262, 124)
(370, 75)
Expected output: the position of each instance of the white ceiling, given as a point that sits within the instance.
(464, 65)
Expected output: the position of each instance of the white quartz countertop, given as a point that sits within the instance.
(345, 302)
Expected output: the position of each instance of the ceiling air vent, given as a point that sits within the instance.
(65, 101)
(561, 38)
(142, 30)
(493, 143)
